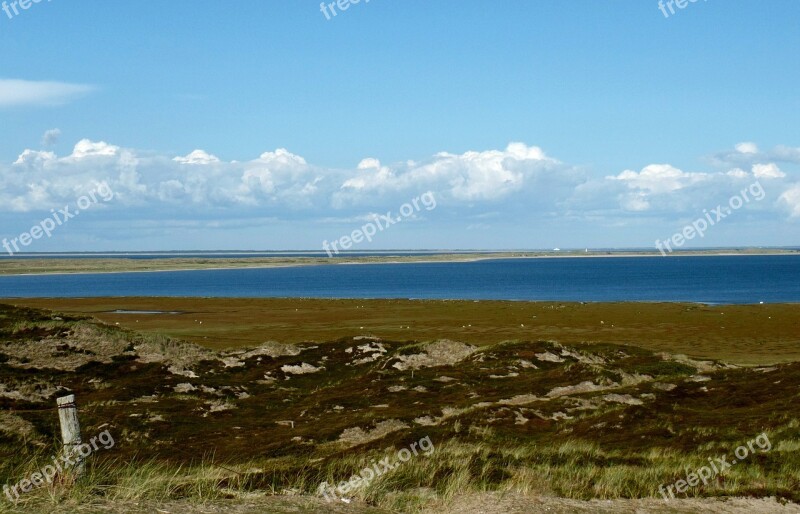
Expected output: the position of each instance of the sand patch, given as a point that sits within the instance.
(548, 357)
(357, 436)
(625, 399)
(440, 353)
(303, 369)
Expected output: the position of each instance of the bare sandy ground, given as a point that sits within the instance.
(487, 503)
(518, 504)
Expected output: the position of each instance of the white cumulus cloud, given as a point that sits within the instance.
(747, 147)
(790, 199)
(472, 176)
(86, 148)
(197, 157)
(659, 179)
(770, 170)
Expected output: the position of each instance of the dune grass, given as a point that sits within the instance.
(575, 469)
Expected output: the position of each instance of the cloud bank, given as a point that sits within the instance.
(277, 181)
(517, 185)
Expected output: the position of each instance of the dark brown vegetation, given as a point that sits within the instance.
(530, 416)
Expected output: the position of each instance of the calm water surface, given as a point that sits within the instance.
(712, 279)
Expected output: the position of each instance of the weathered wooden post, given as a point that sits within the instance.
(71, 431)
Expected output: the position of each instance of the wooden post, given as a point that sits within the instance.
(71, 431)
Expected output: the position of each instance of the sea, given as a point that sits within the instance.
(709, 279)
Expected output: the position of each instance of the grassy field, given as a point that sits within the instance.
(523, 418)
(740, 334)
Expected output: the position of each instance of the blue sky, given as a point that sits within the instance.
(623, 123)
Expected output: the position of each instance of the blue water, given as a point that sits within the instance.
(716, 279)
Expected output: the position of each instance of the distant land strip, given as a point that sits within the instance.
(125, 264)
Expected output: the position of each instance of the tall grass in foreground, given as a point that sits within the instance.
(575, 469)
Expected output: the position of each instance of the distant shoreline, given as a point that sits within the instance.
(104, 265)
